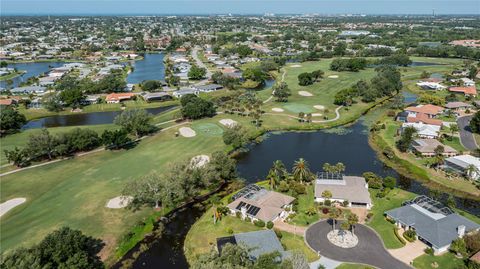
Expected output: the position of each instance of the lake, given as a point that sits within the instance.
(348, 145)
(33, 70)
(149, 68)
(83, 118)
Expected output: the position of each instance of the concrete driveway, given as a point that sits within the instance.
(370, 249)
(466, 135)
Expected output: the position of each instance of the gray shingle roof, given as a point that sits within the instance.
(351, 188)
(439, 230)
(261, 242)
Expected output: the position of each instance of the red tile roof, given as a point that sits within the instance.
(424, 119)
(119, 96)
(6, 102)
(425, 109)
(465, 90)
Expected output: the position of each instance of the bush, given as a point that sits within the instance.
(299, 188)
(278, 233)
(259, 223)
(328, 202)
(325, 210)
(429, 251)
(410, 235)
(238, 214)
(395, 230)
(248, 219)
(345, 203)
(369, 215)
(269, 225)
(229, 230)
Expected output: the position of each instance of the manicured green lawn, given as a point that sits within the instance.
(378, 222)
(305, 201)
(352, 266)
(445, 261)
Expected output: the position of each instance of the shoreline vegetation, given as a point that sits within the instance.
(12, 75)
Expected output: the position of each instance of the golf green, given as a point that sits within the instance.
(297, 108)
(207, 129)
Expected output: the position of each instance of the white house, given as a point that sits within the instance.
(343, 188)
(464, 164)
(423, 130)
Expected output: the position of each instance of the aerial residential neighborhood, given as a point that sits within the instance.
(240, 134)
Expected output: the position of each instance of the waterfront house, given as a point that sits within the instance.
(467, 165)
(343, 188)
(28, 90)
(430, 110)
(258, 203)
(435, 225)
(257, 242)
(426, 148)
(182, 92)
(209, 88)
(425, 119)
(115, 98)
(156, 96)
(426, 85)
(423, 130)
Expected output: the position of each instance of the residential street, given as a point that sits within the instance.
(199, 62)
(466, 136)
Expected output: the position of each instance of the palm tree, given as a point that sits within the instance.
(279, 169)
(454, 128)
(327, 167)
(340, 167)
(216, 215)
(301, 172)
(472, 171)
(352, 220)
(272, 179)
(301, 115)
(334, 215)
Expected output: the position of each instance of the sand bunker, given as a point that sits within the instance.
(119, 202)
(305, 93)
(319, 107)
(199, 161)
(333, 76)
(10, 204)
(296, 65)
(187, 132)
(228, 122)
(316, 114)
(277, 109)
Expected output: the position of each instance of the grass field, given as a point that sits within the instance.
(353, 266)
(445, 261)
(74, 192)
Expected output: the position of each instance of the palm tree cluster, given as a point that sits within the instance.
(243, 104)
(336, 168)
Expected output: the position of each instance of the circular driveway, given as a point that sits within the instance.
(370, 249)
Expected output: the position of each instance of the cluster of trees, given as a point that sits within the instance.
(466, 247)
(256, 75)
(396, 59)
(403, 144)
(243, 104)
(237, 256)
(281, 92)
(194, 107)
(63, 248)
(11, 121)
(385, 83)
(183, 181)
(448, 51)
(46, 146)
(236, 136)
(305, 79)
(225, 80)
(196, 72)
(376, 182)
(351, 64)
(151, 85)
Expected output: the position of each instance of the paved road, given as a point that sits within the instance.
(370, 249)
(201, 64)
(466, 136)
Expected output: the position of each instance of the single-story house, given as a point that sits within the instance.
(257, 242)
(115, 98)
(156, 96)
(258, 203)
(91, 99)
(422, 118)
(464, 164)
(182, 92)
(426, 148)
(467, 91)
(209, 88)
(458, 106)
(423, 130)
(426, 85)
(430, 110)
(343, 188)
(435, 225)
(28, 90)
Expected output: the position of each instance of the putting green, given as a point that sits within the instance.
(207, 129)
(297, 108)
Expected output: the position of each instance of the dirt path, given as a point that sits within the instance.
(88, 152)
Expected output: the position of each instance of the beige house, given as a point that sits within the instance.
(352, 189)
(258, 203)
(426, 148)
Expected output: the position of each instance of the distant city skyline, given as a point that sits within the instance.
(240, 7)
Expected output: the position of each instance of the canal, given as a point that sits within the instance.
(32, 70)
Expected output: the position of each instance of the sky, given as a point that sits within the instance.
(205, 7)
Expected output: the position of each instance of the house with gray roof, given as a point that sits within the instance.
(435, 225)
(258, 243)
(156, 96)
(352, 189)
(209, 87)
(28, 90)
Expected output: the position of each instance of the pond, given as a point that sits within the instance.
(348, 145)
(33, 70)
(151, 67)
(83, 118)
